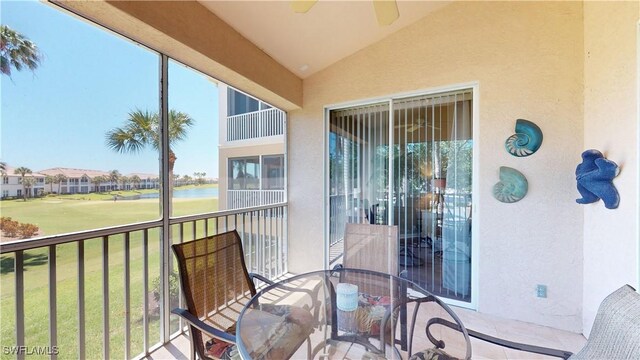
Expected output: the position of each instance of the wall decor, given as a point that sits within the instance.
(594, 176)
(512, 187)
(526, 141)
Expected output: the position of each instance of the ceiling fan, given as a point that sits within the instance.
(417, 125)
(386, 10)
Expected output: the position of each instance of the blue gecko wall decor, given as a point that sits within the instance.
(595, 179)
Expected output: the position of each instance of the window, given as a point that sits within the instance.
(244, 173)
(99, 79)
(5, 179)
(273, 172)
(193, 102)
(239, 103)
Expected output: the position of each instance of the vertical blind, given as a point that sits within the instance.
(408, 162)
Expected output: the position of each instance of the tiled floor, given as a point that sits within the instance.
(491, 325)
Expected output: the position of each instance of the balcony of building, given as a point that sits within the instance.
(256, 125)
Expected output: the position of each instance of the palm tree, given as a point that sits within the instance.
(17, 51)
(58, 179)
(186, 179)
(124, 180)
(22, 171)
(142, 129)
(135, 180)
(98, 180)
(48, 179)
(114, 177)
(96, 183)
(27, 184)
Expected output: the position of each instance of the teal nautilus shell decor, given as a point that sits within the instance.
(526, 140)
(512, 186)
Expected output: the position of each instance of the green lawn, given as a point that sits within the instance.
(60, 215)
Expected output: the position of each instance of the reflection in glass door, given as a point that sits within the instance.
(408, 162)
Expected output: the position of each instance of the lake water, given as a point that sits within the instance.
(191, 193)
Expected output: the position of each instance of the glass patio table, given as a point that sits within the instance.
(348, 313)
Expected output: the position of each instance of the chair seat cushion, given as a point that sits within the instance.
(277, 331)
(432, 354)
(370, 312)
(221, 350)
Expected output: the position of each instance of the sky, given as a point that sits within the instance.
(87, 83)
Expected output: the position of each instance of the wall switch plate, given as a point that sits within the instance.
(541, 291)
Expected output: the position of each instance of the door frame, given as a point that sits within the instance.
(475, 183)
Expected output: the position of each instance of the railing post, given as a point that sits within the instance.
(19, 270)
(127, 296)
(81, 317)
(105, 297)
(145, 289)
(53, 297)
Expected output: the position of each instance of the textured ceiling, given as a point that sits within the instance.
(309, 42)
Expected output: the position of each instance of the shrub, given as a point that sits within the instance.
(27, 230)
(4, 220)
(174, 289)
(9, 227)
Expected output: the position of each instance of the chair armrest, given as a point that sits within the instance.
(254, 276)
(494, 340)
(204, 327)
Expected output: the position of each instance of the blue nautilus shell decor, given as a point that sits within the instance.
(512, 187)
(595, 179)
(527, 139)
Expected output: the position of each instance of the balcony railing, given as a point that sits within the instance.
(111, 294)
(238, 199)
(256, 124)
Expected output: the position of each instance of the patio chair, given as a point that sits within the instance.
(371, 247)
(375, 248)
(216, 286)
(615, 333)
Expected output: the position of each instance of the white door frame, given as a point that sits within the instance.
(475, 224)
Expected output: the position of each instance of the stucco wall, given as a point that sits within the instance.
(611, 126)
(528, 61)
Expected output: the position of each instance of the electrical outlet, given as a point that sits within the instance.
(541, 291)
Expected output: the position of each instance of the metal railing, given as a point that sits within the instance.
(108, 284)
(256, 124)
(238, 199)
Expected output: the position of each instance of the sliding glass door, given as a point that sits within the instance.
(408, 162)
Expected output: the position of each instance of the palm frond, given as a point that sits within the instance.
(135, 134)
(18, 51)
(179, 124)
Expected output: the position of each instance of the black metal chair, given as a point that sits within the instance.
(615, 333)
(216, 286)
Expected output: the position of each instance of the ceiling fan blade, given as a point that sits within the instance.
(302, 6)
(386, 11)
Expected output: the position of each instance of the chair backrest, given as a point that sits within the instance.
(214, 277)
(371, 247)
(616, 329)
